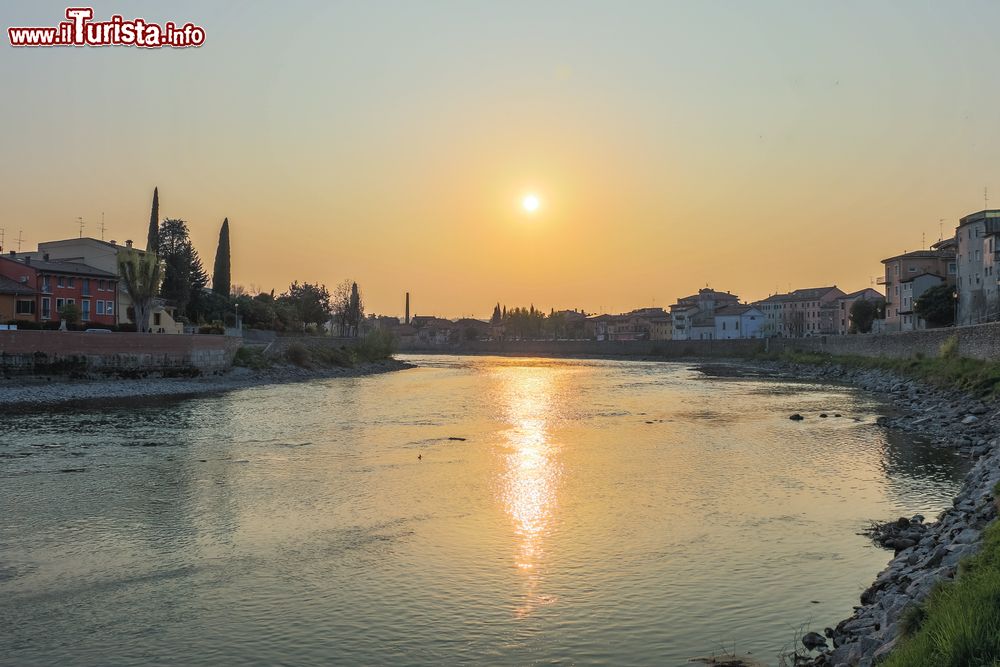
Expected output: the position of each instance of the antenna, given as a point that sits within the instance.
(102, 225)
(923, 239)
(986, 197)
(940, 229)
(79, 221)
(19, 239)
(2, 232)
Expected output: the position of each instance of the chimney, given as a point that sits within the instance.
(113, 242)
(12, 253)
(128, 244)
(45, 257)
(407, 308)
(27, 260)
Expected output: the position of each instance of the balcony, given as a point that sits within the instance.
(882, 281)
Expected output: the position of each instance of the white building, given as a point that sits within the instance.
(739, 321)
(691, 316)
(910, 290)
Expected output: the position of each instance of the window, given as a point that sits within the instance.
(156, 319)
(46, 285)
(24, 307)
(86, 286)
(110, 307)
(85, 310)
(913, 269)
(46, 308)
(60, 303)
(61, 282)
(99, 307)
(72, 282)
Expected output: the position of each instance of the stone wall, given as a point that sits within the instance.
(668, 349)
(100, 354)
(980, 341)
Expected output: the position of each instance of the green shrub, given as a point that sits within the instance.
(251, 357)
(949, 348)
(298, 354)
(375, 346)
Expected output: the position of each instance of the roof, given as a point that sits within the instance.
(910, 279)
(921, 254)
(980, 216)
(733, 310)
(861, 292)
(75, 268)
(800, 294)
(8, 286)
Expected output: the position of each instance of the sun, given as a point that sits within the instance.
(530, 203)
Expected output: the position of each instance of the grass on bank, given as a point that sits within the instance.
(973, 376)
(375, 346)
(958, 625)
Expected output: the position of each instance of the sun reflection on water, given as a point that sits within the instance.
(531, 472)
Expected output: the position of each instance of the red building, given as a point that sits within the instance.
(50, 285)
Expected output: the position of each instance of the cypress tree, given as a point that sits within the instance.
(221, 278)
(153, 236)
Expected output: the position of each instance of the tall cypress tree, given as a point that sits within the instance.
(221, 275)
(153, 236)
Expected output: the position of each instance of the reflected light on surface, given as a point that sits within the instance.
(531, 471)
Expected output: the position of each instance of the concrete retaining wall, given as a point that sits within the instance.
(80, 353)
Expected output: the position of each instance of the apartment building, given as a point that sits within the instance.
(977, 263)
(692, 317)
(939, 260)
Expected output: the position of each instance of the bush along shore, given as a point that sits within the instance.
(252, 367)
(937, 603)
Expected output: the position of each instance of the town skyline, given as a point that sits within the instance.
(801, 148)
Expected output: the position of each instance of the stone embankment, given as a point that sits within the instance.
(45, 393)
(926, 552)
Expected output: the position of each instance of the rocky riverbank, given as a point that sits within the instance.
(925, 552)
(33, 393)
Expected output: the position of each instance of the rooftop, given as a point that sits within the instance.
(8, 286)
(75, 268)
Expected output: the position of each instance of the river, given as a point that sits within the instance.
(472, 510)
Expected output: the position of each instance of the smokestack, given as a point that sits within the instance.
(128, 244)
(407, 308)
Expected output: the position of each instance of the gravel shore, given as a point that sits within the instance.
(36, 393)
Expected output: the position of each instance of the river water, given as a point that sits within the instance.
(594, 512)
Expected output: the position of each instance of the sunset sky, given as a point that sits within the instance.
(751, 146)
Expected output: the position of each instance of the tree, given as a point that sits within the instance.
(936, 305)
(310, 303)
(862, 315)
(184, 277)
(70, 314)
(355, 311)
(153, 236)
(141, 274)
(221, 278)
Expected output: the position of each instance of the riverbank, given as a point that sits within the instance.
(928, 555)
(35, 393)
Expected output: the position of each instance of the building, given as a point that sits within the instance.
(17, 301)
(691, 317)
(977, 264)
(103, 255)
(472, 329)
(909, 291)
(739, 321)
(54, 284)
(800, 313)
(641, 324)
(842, 316)
(939, 260)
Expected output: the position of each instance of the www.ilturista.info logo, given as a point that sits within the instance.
(79, 30)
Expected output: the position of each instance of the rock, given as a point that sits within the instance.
(969, 419)
(796, 417)
(813, 641)
(917, 518)
(823, 415)
(882, 421)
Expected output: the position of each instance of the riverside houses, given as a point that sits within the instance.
(938, 261)
(801, 312)
(739, 321)
(692, 317)
(54, 284)
(978, 263)
(842, 316)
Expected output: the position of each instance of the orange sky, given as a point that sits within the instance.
(753, 148)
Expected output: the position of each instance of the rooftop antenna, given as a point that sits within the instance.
(940, 229)
(986, 197)
(19, 239)
(79, 221)
(923, 239)
(2, 231)
(102, 225)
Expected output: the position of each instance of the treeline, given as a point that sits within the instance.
(530, 322)
(183, 283)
